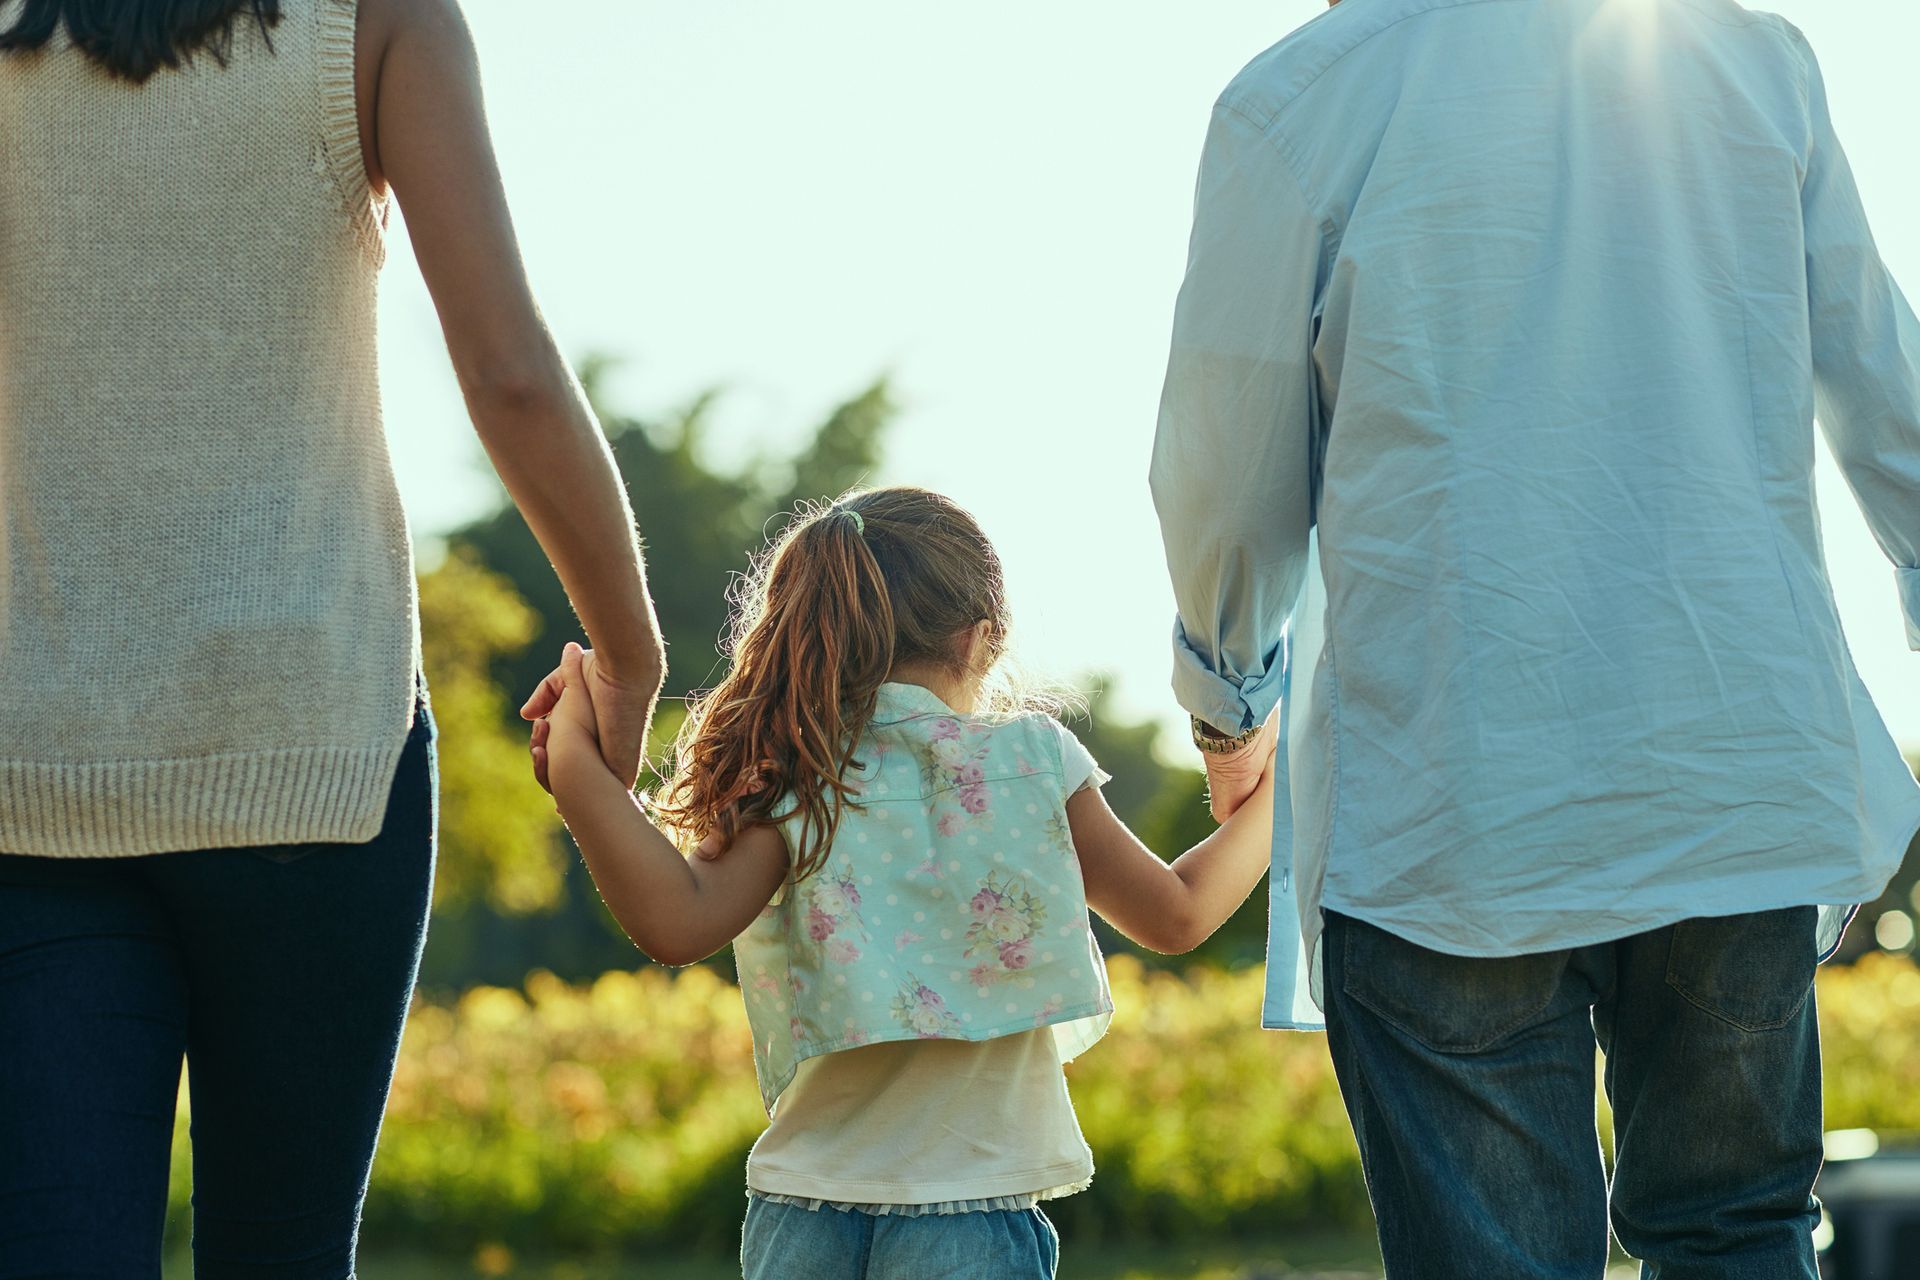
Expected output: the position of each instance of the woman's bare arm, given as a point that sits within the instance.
(424, 134)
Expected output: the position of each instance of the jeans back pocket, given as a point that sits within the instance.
(1449, 1003)
(1753, 971)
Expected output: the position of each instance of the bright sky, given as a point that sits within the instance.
(991, 202)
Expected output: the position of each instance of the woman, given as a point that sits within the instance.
(217, 794)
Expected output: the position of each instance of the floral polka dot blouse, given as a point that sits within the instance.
(950, 906)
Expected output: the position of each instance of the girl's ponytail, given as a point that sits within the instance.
(812, 645)
(846, 593)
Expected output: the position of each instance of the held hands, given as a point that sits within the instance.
(618, 711)
(1232, 779)
(570, 724)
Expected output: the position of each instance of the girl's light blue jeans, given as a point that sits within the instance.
(789, 1242)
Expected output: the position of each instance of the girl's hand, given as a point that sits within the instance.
(622, 712)
(571, 727)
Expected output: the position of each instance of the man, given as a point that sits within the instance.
(1520, 309)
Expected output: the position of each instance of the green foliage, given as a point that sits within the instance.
(1870, 1043)
(513, 895)
(616, 1116)
(701, 519)
(497, 843)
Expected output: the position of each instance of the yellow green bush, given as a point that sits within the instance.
(618, 1114)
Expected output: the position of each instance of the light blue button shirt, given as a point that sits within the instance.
(1487, 445)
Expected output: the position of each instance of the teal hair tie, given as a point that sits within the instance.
(859, 521)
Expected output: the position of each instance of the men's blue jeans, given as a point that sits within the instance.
(282, 974)
(1470, 1086)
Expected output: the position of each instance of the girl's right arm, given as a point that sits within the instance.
(675, 909)
(1170, 907)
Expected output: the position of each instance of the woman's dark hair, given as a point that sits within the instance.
(135, 38)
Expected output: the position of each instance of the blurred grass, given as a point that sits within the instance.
(1321, 1258)
(612, 1120)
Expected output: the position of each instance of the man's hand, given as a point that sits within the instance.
(1233, 778)
(622, 709)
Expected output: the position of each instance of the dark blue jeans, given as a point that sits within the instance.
(282, 975)
(1470, 1084)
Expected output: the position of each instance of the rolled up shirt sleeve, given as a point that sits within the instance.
(1233, 456)
(1866, 354)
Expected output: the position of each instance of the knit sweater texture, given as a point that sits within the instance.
(208, 632)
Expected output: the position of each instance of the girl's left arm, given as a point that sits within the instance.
(676, 910)
(1171, 907)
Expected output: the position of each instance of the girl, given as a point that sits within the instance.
(903, 856)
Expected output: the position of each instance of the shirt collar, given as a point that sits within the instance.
(897, 701)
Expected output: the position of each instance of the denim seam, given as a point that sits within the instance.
(1701, 1003)
(869, 1229)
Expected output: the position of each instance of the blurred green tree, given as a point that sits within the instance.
(701, 519)
(496, 825)
(514, 896)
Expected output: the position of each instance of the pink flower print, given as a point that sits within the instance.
(974, 800)
(840, 951)
(919, 1008)
(819, 924)
(981, 975)
(794, 1029)
(945, 728)
(905, 939)
(931, 869)
(851, 890)
(1053, 1006)
(949, 824)
(969, 774)
(930, 1014)
(1006, 920)
(856, 1037)
(1007, 925)
(765, 984)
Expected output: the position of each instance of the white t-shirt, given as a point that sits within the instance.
(935, 1125)
(926, 1122)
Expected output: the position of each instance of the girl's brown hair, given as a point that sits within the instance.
(845, 594)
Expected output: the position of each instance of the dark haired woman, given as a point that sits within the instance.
(217, 790)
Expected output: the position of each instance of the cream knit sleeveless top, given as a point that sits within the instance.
(207, 619)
